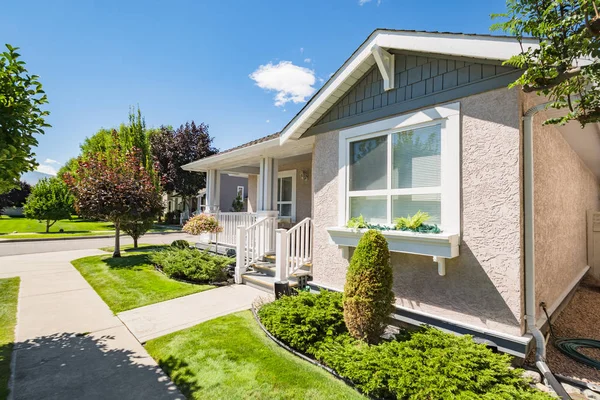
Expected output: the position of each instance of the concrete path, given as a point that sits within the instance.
(69, 345)
(158, 319)
(8, 248)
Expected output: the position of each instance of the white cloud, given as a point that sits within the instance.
(290, 82)
(363, 2)
(321, 80)
(46, 169)
(51, 161)
(301, 50)
(307, 60)
(268, 121)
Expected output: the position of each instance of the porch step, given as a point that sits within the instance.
(268, 268)
(264, 282)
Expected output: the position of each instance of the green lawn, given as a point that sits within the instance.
(9, 293)
(130, 281)
(24, 228)
(231, 358)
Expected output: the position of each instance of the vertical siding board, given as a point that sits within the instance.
(418, 89)
(442, 67)
(474, 72)
(450, 79)
(426, 71)
(411, 62)
(367, 104)
(438, 83)
(488, 70)
(377, 101)
(434, 68)
(414, 75)
(429, 86)
(463, 76)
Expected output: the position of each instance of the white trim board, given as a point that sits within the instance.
(290, 173)
(470, 46)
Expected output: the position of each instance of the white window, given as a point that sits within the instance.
(240, 192)
(286, 194)
(398, 166)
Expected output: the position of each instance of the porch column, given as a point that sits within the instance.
(267, 188)
(213, 190)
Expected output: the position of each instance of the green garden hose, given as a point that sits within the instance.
(570, 346)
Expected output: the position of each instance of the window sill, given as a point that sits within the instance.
(441, 245)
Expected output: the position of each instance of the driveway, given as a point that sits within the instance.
(9, 248)
(69, 345)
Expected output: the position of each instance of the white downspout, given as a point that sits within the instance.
(530, 302)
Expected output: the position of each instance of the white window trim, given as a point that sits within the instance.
(288, 174)
(448, 116)
(238, 190)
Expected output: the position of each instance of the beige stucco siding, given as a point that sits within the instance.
(483, 285)
(564, 189)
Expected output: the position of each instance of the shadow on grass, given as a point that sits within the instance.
(134, 262)
(89, 366)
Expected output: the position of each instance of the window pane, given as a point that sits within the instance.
(285, 189)
(285, 210)
(372, 208)
(403, 206)
(368, 164)
(416, 158)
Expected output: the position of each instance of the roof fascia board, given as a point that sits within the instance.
(479, 47)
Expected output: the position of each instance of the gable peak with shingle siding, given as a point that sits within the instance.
(419, 80)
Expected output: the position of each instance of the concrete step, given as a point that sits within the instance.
(268, 268)
(263, 282)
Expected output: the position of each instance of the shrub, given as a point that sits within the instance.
(368, 296)
(305, 320)
(427, 364)
(202, 223)
(192, 264)
(180, 244)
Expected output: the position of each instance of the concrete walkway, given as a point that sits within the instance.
(69, 345)
(158, 319)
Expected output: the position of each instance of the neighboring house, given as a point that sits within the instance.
(425, 121)
(232, 187)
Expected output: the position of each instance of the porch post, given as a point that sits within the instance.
(267, 188)
(213, 190)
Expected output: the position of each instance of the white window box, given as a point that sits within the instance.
(438, 245)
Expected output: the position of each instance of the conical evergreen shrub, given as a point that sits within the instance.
(368, 296)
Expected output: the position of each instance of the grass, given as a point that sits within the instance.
(131, 281)
(231, 358)
(9, 292)
(24, 228)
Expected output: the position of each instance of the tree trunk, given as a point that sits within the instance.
(47, 225)
(135, 240)
(117, 252)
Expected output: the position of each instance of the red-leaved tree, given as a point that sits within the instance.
(116, 188)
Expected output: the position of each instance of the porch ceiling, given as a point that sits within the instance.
(246, 159)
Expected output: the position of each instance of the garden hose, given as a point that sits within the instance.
(570, 346)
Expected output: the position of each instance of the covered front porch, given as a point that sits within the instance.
(272, 241)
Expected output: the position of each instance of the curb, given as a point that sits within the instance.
(78, 237)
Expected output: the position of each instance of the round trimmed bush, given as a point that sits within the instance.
(180, 244)
(368, 296)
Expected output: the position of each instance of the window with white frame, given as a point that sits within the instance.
(286, 194)
(240, 192)
(402, 165)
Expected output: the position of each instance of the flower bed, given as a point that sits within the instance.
(423, 364)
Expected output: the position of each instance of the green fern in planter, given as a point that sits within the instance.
(357, 223)
(412, 223)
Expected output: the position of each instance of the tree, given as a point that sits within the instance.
(50, 201)
(118, 189)
(138, 228)
(565, 67)
(238, 204)
(368, 296)
(21, 97)
(15, 197)
(171, 149)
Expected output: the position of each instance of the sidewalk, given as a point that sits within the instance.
(159, 319)
(68, 343)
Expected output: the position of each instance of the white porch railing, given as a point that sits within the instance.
(294, 248)
(254, 242)
(230, 222)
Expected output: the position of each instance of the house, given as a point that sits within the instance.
(424, 121)
(233, 186)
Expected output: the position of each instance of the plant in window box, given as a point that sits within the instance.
(357, 223)
(416, 223)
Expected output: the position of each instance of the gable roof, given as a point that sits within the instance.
(252, 142)
(488, 47)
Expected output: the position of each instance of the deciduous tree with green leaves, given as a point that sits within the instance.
(565, 66)
(21, 118)
(50, 200)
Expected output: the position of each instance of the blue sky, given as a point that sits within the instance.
(242, 67)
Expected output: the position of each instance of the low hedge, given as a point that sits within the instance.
(423, 364)
(192, 264)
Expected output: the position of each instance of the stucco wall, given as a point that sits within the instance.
(482, 286)
(303, 188)
(564, 189)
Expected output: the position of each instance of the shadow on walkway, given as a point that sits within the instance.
(88, 366)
